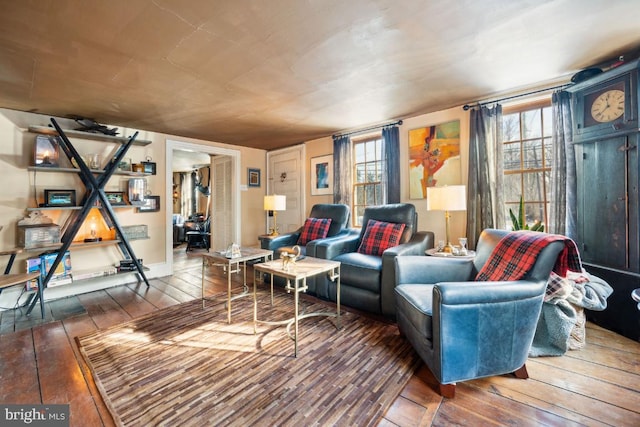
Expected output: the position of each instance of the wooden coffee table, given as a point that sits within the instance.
(296, 277)
(234, 265)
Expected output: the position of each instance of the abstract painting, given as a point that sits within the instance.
(434, 157)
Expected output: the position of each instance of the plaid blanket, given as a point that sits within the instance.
(516, 253)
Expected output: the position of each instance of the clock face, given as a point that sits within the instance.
(608, 106)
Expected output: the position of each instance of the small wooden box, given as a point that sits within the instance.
(38, 236)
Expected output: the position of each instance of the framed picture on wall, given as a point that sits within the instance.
(45, 153)
(434, 158)
(322, 175)
(151, 204)
(253, 177)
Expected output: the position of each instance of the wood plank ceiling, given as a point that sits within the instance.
(269, 74)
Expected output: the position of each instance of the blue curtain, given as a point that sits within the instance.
(562, 209)
(342, 185)
(391, 170)
(485, 205)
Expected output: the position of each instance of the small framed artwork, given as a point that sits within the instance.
(253, 177)
(124, 165)
(322, 175)
(115, 197)
(148, 166)
(151, 204)
(46, 151)
(59, 198)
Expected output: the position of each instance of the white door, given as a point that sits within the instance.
(221, 222)
(286, 177)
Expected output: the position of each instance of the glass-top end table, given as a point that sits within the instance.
(234, 265)
(296, 276)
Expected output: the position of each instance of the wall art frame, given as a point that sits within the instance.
(322, 175)
(434, 157)
(115, 198)
(253, 177)
(151, 204)
(59, 198)
(46, 151)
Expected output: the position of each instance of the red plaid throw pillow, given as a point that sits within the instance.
(314, 228)
(380, 236)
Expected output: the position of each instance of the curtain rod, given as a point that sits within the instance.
(399, 122)
(480, 104)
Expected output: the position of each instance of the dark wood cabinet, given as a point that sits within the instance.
(605, 137)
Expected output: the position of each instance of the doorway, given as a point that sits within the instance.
(286, 177)
(228, 216)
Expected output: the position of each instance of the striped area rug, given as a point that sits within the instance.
(185, 365)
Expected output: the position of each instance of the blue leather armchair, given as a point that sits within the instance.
(367, 281)
(464, 329)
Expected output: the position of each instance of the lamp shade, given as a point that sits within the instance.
(275, 202)
(448, 198)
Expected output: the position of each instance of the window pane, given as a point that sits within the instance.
(547, 121)
(534, 212)
(371, 172)
(534, 190)
(359, 212)
(378, 193)
(512, 188)
(371, 195)
(370, 151)
(548, 153)
(360, 173)
(376, 171)
(531, 124)
(359, 153)
(359, 195)
(511, 127)
(511, 156)
(532, 153)
(547, 181)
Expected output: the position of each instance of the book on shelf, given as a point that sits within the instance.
(43, 263)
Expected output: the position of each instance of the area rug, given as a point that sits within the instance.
(186, 365)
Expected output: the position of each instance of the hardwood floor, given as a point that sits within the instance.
(40, 363)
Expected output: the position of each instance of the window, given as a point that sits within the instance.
(367, 186)
(527, 155)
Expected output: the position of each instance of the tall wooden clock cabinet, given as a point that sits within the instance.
(605, 136)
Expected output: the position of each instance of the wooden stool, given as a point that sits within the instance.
(9, 280)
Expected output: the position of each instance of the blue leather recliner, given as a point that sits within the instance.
(463, 329)
(367, 281)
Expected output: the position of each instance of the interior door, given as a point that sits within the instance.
(286, 177)
(221, 224)
(602, 202)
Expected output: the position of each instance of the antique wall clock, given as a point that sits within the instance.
(605, 105)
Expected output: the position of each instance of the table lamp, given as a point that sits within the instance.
(275, 203)
(447, 198)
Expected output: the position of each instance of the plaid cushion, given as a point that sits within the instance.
(516, 253)
(380, 236)
(314, 228)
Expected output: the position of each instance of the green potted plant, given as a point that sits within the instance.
(518, 223)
